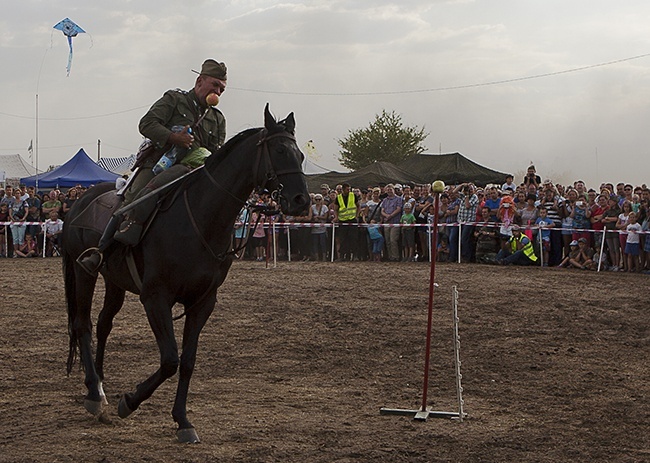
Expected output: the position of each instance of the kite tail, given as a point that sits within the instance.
(69, 56)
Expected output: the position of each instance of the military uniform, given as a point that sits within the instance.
(176, 107)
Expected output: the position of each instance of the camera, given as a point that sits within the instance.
(579, 203)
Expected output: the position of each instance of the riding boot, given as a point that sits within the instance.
(91, 259)
(131, 229)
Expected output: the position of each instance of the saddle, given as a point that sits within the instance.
(98, 213)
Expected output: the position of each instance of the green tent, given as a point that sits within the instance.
(453, 168)
(371, 175)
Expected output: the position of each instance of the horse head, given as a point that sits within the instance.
(280, 169)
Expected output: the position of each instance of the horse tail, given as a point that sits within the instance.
(71, 301)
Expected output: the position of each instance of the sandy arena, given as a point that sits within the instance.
(296, 362)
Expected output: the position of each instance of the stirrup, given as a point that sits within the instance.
(84, 260)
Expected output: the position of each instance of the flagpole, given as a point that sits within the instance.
(36, 147)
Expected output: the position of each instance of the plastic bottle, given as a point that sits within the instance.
(169, 158)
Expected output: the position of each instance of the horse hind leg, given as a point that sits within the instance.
(80, 288)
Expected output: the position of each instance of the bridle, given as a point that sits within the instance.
(264, 173)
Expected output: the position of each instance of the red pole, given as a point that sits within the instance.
(434, 252)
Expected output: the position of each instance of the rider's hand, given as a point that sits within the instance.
(181, 139)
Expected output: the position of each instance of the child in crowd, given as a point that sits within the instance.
(544, 223)
(632, 243)
(377, 240)
(573, 254)
(443, 249)
(28, 248)
(408, 233)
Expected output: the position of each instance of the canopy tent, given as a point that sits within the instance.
(119, 166)
(80, 170)
(452, 168)
(13, 166)
(371, 175)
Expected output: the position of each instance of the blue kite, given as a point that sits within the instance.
(69, 29)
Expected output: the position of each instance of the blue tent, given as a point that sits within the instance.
(80, 170)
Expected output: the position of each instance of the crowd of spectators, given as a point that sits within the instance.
(34, 220)
(533, 222)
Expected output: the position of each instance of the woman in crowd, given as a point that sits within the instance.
(529, 213)
(566, 212)
(4, 217)
(581, 215)
(18, 214)
(70, 200)
(318, 215)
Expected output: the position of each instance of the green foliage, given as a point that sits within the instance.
(386, 139)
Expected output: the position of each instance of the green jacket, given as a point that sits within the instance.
(179, 107)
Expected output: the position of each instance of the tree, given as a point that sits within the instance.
(386, 139)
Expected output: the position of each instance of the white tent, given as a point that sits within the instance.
(13, 167)
(118, 165)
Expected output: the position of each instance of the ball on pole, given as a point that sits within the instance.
(438, 186)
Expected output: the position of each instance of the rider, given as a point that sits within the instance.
(188, 109)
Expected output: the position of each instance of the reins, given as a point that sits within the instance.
(261, 180)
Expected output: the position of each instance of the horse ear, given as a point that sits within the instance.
(290, 123)
(269, 120)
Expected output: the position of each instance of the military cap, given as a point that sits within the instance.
(214, 69)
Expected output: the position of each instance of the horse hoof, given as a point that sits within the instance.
(187, 436)
(123, 409)
(93, 407)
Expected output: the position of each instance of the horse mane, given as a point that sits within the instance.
(223, 152)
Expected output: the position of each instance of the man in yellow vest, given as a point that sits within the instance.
(518, 251)
(346, 211)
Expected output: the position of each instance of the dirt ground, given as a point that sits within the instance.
(297, 360)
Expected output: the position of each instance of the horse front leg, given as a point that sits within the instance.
(113, 301)
(159, 314)
(195, 320)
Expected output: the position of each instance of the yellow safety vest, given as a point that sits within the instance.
(347, 213)
(528, 248)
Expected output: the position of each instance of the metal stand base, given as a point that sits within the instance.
(422, 415)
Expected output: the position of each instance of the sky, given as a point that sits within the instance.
(564, 84)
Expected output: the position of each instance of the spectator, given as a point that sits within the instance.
(18, 214)
(645, 227)
(451, 219)
(390, 215)
(492, 202)
(585, 257)
(610, 218)
(319, 215)
(53, 230)
(571, 256)
(241, 231)
(566, 213)
(28, 248)
(551, 202)
(621, 225)
(519, 250)
(466, 217)
(376, 240)
(545, 223)
(509, 185)
(487, 240)
(408, 233)
(632, 243)
(507, 217)
(53, 204)
(70, 199)
(4, 217)
(528, 214)
(346, 209)
(8, 196)
(423, 200)
(259, 236)
(532, 178)
(581, 215)
(597, 215)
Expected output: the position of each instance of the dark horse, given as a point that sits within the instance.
(183, 258)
